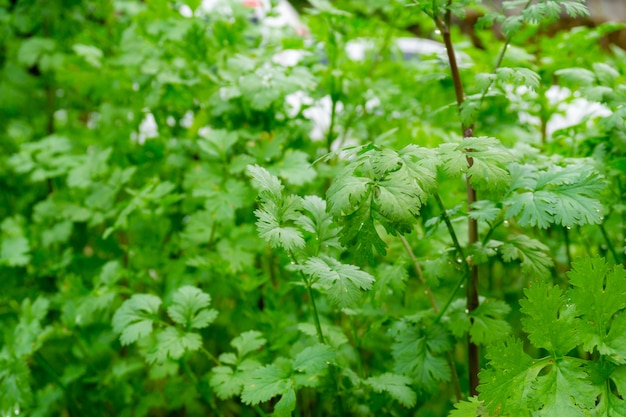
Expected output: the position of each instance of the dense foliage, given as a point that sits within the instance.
(191, 225)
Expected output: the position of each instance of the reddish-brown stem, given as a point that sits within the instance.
(468, 131)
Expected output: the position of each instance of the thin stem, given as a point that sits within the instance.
(455, 377)
(316, 318)
(446, 219)
(209, 355)
(318, 326)
(420, 273)
(492, 228)
(468, 131)
(259, 411)
(609, 244)
(330, 135)
(458, 286)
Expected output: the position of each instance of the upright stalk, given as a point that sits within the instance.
(472, 236)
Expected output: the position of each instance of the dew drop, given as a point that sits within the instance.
(506, 223)
(462, 286)
(459, 260)
(466, 311)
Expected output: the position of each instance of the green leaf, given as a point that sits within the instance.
(227, 382)
(504, 384)
(267, 382)
(473, 407)
(519, 76)
(15, 391)
(248, 342)
(563, 195)
(294, 168)
(397, 386)
(33, 48)
(319, 222)
(417, 351)
(224, 382)
(270, 229)
(287, 403)
(488, 170)
(564, 390)
(484, 210)
(343, 283)
(265, 182)
(577, 76)
(173, 343)
(89, 53)
(133, 320)
(485, 324)
(189, 308)
(488, 321)
(28, 335)
(314, 359)
(532, 254)
(15, 247)
(550, 322)
(599, 293)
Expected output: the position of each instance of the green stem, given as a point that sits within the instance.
(330, 135)
(608, 243)
(259, 411)
(455, 240)
(210, 356)
(308, 285)
(455, 377)
(420, 273)
(318, 325)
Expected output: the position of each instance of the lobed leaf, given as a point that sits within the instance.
(133, 320)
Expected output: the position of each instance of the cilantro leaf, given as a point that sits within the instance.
(15, 390)
(133, 320)
(14, 246)
(173, 343)
(550, 322)
(314, 359)
(416, 351)
(287, 403)
(268, 382)
(397, 386)
(276, 212)
(488, 162)
(563, 195)
(473, 407)
(504, 387)
(531, 253)
(599, 293)
(294, 168)
(189, 308)
(343, 283)
(485, 324)
(248, 342)
(319, 221)
(265, 182)
(564, 390)
(225, 382)
(383, 185)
